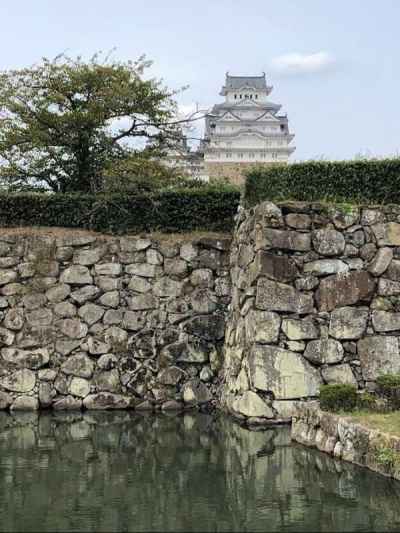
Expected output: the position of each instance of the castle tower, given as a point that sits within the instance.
(245, 130)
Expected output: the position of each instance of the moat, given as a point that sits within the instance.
(126, 472)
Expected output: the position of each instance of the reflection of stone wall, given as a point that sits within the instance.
(316, 299)
(343, 438)
(105, 322)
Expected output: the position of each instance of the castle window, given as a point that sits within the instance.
(235, 96)
(251, 97)
(274, 155)
(256, 96)
(240, 96)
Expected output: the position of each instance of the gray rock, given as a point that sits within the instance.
(262, 326)
(64, 253)
(79, 365)
(381, 261)
(343, 218)
(79, 387)
(14, 319)
(207, 327)
(275, 267)
(142, 302)
(171, 405)
(73, 328)
(324, 351)
(298, 330)
(387, 234)
(188, 251)
(273, 296)
(284, 240)
(206, 374)
(40, 317)
(91, 313)
(250, 404)
(107, 361)
(67, 403)
(325, 267)
(371, 216)
(88, 257)
(97, 347)
(76, 239)
(286, 374)
(143, 270)
(384, 321)
(106, 400)
(85, 294)
(368, 251)
(46, 394)
(107, 284)
(76, 275)
(298, 220)
(108, 381)
(202, 277)
(58, 293)
(108, 269)
(33, 359)
(176, 267)
(133, 321)
(13, 289)
(387, 287)
(355, 263)
(113, 316)
(117, 338)
(139, 284)
(66, 346)
(20, 381)
(154, 257)
(25, 403)
(65, 310)
(328, 242)
(110, 299)
(285, 408)
(345, 289)
(195, 392)
(203, 301)
(378, 355)
(339, 374)
(7, 276)
(5, 400)
(295, 346)
(348, 322)
(223, 286)
(6, 337)
(134, 244)
(3, 303)
(307, 283)
(33, 300)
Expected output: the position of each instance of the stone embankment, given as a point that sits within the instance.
(110, 323)
(315, 299)
(343, 438)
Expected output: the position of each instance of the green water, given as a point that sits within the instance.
(125, 472)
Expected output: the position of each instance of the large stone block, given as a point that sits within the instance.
(76, 275)
(262, 326)
(20, 381)
(378, 355)
(298, 330)
(345, 289)
(33, 359)
(250, 404)
(283, 240)
(339, 374)
(328, 242)
(384, 321)
(106, 400)
(348, 322)
(324, 351)
(274, 296)
(272, 266)
(324, 267)
(79, 365)
(286, 374)
(381, 261)
(387, 234)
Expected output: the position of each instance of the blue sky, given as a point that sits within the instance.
(335, 65)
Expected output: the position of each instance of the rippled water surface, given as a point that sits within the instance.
(125, 472)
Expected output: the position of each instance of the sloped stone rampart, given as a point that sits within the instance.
(315, 299)
(96, 322)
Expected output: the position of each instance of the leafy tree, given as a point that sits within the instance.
(65, 122)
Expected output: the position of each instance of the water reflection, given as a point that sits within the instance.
(125, 472)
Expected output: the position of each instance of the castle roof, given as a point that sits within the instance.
(240, 82)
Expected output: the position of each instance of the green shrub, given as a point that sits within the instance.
(369, 181)
(206, 208)
(366, 401)
(388, 387)
(338, 397)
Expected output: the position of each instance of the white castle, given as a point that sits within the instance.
(243, 131)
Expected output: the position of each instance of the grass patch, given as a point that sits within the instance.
(385, 422)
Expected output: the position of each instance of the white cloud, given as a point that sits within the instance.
(295, 63)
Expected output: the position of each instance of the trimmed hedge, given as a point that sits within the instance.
(338, 397)
(207, 208)
(369, 181)
(388, 387)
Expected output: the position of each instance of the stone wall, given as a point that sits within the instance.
(316, 299)
(343, 438)
(101, 323)
(234, 172)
